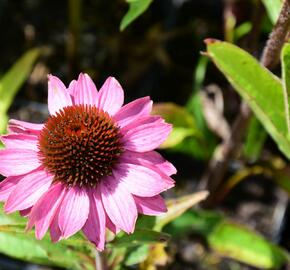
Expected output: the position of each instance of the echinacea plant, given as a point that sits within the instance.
(91, 166)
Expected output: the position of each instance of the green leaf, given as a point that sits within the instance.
(273, 8)
(139, 237)
(12, 80)
(242, 30)
(15, 242)
(137, 255)
(177, 207)
(255, 139)
(25, 247)
(11, 219)
(285, 60)
(136, 8)
(242, 244)
(261, 89)
(199, 222)
(228, 239)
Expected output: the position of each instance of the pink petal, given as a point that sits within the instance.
(17, 126)
(157, 120)
(74, 211)
(72, 89)
(30, 188)
(111, 226)
(133, 110)
(146, 137)
(7, 186)
(150, 205)
(85, 91)
(25, 212)
(20, 141)
(119, 204)
(45, 209)
(142, 180)
(111, 96)
(18, 161)
(55, 232)
(151, 158)
(95, 226)
(58, 96)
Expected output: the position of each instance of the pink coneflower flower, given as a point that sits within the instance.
(92, 165)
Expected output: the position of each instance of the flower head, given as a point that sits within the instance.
(91, 166)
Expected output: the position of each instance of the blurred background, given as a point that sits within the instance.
(160, 54)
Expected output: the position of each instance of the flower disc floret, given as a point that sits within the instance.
(80, 145)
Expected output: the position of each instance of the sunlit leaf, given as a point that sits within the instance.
(261, 89)
(242, 244)
(136, 8)
(273, 8)
(25, 247)
(177, 207)
(15, 242)
(228, 239)
(12, 80)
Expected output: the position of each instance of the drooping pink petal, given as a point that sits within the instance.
(58, 95)
(142, 181)
(7, 186)
(130, 112)
(85, 91)
(23, 127)
(20, 141)
(45, 209)
(111, 226)
(149, 158)
(18, 161)
(74, 211)
(111, 96)
(119, 204)
(25, 212)
(55, 232)
(94, 229)
(151, 206)
(146, 137)
(28, 190)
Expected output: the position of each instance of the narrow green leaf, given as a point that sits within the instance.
(12, 80)
(177, 207)
(239, 243)
(255, 139)
(136, 8)
(273, 8)
(261, 89)
(139, 237)
(285, 60)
